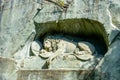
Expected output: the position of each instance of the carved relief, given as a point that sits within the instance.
(60, 46)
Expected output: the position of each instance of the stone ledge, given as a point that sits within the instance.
(61, 74)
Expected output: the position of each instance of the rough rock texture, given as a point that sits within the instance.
(16, 18)
(20, 18)
(110, 64)
(114, 8)
(33, 63)
(8, 69)
(53, 75)
(16, 24)
(95, 10)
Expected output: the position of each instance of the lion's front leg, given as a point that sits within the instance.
(56, 54)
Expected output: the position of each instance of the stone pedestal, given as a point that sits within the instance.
(54, 75)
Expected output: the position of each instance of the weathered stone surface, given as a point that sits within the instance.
(54, 75)
(113, 35)
(25, 51)
(20, 13)
(8, 69)
(114, 8)
(17, 19)
(96, 10)
(15, 24)
(33, 63)
(110, 64)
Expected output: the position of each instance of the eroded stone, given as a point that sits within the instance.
(8, 69)
(33, 63)
(54, 74)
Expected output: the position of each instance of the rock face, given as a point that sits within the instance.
(8, 69)
(33, 63)
(16, 18)
(110, 63)
(53, 75)
(23, 21)
(79, 9)
(16, 24)
(114, 8)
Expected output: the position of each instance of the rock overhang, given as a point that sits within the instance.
(74, 27)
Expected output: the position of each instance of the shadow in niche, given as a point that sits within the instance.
(80, 29)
